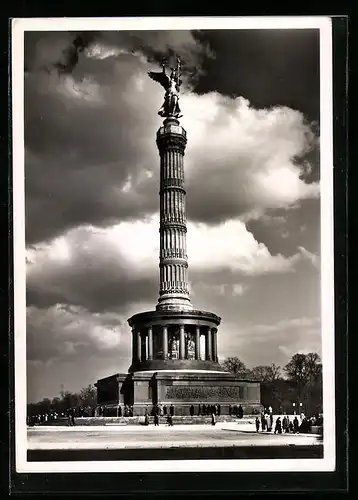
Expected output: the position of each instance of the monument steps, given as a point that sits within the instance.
(139, 420)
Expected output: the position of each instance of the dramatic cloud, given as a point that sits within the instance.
(91, 156)
(109, 269)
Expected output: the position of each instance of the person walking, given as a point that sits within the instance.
(213, 419)
(171, 410)
(295, 425)
(73, 414)
(257, 422)
(156, 419)
(271, 420)
(263, 422)
(146, 417)
(191, 410)
(267, 418)
(278, 426)
(284, 423)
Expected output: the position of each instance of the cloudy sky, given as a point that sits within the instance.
(250, 101)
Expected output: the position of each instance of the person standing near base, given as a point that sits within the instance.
(295, 425)
(156, 419)
(213, 419)
(284, 423)
(263, 422)
(278, 427)
(257, 423)
(146, 417)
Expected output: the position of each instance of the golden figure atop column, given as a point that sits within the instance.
(171, 83)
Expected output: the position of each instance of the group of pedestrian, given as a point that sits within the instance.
(236, 410)
(158, 411)
(206, 410)
(43, 418)
(283, 424)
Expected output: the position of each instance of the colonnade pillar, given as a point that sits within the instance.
(150, 343)
(139, 345)
(165, 342)
(197, 342)
(208, 345)
(181, 342)
(214, 345)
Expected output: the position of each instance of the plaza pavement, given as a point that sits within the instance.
(143, 437)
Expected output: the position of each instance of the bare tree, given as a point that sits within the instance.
(235, 365)
(266, 373)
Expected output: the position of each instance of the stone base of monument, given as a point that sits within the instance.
(183, 391)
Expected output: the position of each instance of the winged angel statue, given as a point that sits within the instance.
(171, 85)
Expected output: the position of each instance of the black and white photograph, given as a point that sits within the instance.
(173, 244)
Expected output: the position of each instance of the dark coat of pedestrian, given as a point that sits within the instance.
(257, 423)
(295, 425)
(171, 410)
(156, 419)
(263, 422)
(191, 410)
(219, 410)
(278, 426)
(284, 423)
(240, 412)
(271, 422)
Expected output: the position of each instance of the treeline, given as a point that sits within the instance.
(85, 401)
(297, 387)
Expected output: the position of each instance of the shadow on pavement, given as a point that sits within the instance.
(233, 452)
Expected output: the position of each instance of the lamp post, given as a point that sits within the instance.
(301, 410)
(294, 408)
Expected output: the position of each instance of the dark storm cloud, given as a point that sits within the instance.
(267, 67)
(61, 51)
(84, 142)
(90, 128)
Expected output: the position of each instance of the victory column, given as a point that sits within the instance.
(168, 365)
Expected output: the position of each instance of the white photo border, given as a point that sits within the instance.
(321, 23)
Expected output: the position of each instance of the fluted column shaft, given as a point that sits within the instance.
(173, 289)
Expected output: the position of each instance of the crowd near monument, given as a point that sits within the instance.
(169, 366)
